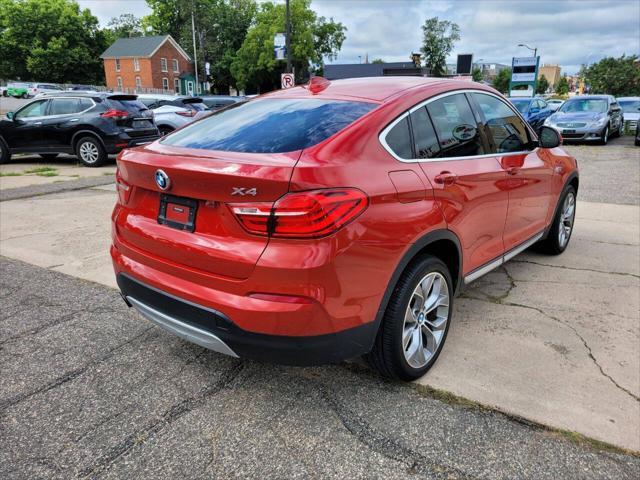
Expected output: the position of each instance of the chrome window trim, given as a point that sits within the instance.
(383, 134)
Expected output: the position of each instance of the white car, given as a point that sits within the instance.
(554, 103)
(173, 111)
(631, 111)
(42, 89)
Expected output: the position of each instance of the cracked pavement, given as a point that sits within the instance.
(102, 394)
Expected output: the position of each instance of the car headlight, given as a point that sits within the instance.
(549, 121)
(600, 122)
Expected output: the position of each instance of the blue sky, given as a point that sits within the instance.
(568, 33)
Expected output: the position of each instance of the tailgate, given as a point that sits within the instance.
(209, 181)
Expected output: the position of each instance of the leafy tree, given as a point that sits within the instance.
(124, 26)
(377, 60)
(563, 86)
(476, 74)
(613, 76)
(438, 39)
(501, 82)
(51, 40)
(167, 17)
(543, 84)
(312, 39)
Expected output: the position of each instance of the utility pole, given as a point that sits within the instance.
(195, 53)
(288, 38)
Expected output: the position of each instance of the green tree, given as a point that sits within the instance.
(312, 39)
(563, 86)
(542, 85)
(377, 60)
(501, 82)
(167, 17)
(476, 74)
(124, 26)
(615, 76)
(438, 39)
(51, 40)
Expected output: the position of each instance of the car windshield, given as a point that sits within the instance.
(270, 125)
(598, 105)
(521, 105)
(630, 106)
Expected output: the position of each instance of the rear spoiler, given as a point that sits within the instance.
(192, 100)
(122, 96)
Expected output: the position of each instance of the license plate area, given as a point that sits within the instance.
(568, 131)
(178, 212)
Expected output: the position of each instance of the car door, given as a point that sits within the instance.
(529, 171)
(466, 180)
(24, 131)
(63, 117)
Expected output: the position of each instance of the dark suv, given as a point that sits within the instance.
(91, 125)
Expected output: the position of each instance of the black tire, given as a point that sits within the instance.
(165, 130)
(96, 158)
(5, 154)
(604, 136)
(553, 245)
(24, 95)
(48, 156)
(387, 356)
(637, 142)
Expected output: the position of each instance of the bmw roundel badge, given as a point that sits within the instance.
(162, 180)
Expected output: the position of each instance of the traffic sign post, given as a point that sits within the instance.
(524, 73)
(287, 80)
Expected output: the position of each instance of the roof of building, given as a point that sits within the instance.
(359, 70)
(140, 47)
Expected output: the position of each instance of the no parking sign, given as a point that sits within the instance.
(286, 80)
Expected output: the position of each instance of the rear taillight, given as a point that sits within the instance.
(312, 214)
(187, 113)
(115, 114)
(123, 188)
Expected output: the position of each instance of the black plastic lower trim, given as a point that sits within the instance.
(301, 351)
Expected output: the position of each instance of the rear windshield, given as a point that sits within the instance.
(270, 125)
(133, 106)
(198, 107)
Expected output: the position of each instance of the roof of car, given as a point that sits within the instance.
(628, 98)
(595, 97)
(376, 89)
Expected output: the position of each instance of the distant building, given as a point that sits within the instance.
(490, 70)
(143, 64)
(358, 70)
(551, 73)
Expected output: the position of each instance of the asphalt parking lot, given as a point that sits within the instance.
(91, 390)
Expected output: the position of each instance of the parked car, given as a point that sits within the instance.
(637, 139)
(254, 232)
(173, 111)
(534, 110)
(631, 111)
(89, 125)
(18, 90)
(554, 103)
(216, 102)
(41, 89)
(588, 118)
(77, 88)
(3, 91)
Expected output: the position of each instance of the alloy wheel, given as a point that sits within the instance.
(89, 152)
(425, 320)
(567, 217)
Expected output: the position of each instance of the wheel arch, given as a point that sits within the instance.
(85, 133)
(572, 180)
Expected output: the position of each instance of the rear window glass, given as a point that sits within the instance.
(198, 107)
(270, 125)
(133, 106)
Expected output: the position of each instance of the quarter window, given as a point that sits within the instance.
(424, 136)
(399, 139)
(506, 132)
(163, 64)
(455, 126)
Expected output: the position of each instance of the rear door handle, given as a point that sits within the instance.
(36, 123)
(446, 178)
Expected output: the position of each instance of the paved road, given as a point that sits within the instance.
(89, 390)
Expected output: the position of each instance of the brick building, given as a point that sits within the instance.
(148, 64)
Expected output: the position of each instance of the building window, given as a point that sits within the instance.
(165, 83)
(176, 85)
(163, 64)
(176, 67)
(119, 80)
(136, 64)
(117, 64)
(138, 83)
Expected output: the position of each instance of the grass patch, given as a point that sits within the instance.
(10, 174)
(107, 174)
(38, 170)
(47, 174)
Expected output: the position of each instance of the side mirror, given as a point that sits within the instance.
(10, 115)
(549, 137)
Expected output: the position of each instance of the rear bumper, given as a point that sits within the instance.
(116, 143)
(214, 330)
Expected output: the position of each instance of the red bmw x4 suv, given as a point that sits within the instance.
(336, 219)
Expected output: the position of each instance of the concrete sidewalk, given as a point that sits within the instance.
(552, 339)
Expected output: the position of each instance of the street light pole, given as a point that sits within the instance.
(195, 53)
(288, 38)
(534, 49)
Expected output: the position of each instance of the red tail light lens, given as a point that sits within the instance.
(117, 114)
(311, 214)
(123, 188)
(187, 113)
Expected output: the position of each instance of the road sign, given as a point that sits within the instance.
(287, 80)
(524, 76)
(279, 46)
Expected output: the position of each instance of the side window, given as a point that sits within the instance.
(506, 132)
(424, 135)
(64, 106)
(35, 109)
(399, 139)
(456, 126)
(84, 104)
